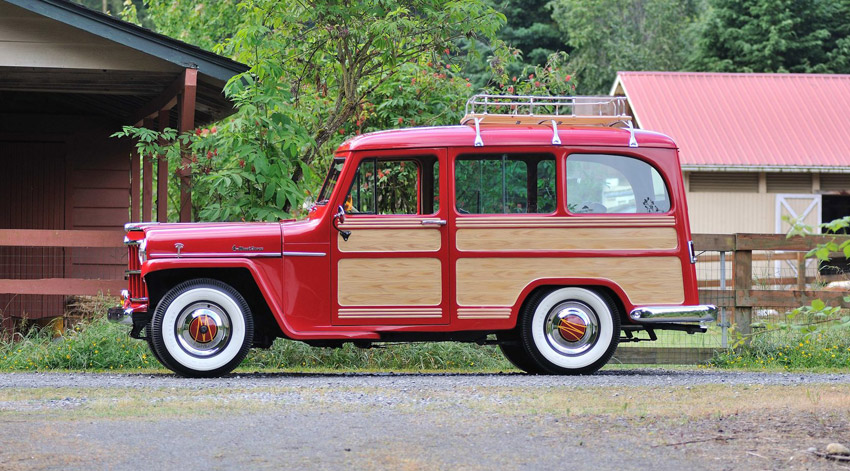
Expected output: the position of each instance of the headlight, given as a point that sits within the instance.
(143, 252)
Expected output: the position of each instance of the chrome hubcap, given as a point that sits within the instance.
(203, 329)
(571, 328)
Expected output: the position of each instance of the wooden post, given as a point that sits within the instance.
(187, 123)
(162, 174)
(147, 181)
(801, 271)
(743, 284)
(135, 189)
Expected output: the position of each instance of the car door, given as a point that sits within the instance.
(390, 255)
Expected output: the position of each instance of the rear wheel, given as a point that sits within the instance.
(202, 328)
(518, 357)
(570, 330)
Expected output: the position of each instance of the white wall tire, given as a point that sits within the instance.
(202, 328)
(570, 330)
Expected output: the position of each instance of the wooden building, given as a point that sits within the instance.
(755, 149)
(69, 78)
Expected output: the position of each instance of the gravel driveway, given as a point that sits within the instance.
(616, 419)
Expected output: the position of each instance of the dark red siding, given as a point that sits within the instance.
(32, 196)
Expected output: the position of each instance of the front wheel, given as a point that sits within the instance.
(570, 330)
(202, 328)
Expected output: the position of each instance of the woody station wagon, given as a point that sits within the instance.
(546, 225)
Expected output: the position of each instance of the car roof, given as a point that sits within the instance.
(492, 136)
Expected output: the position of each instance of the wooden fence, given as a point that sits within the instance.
(741, 297)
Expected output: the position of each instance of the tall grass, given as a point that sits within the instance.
(100, 345)
(829, 349)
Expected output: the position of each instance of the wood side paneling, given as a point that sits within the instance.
(499, 281)
(517, 239)
(390, 282)
(391, 240)
(572, 221)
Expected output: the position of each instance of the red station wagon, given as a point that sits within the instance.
(546, 225)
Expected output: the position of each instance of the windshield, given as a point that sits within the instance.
(330, 181)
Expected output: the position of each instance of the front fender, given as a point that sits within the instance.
(262, 271)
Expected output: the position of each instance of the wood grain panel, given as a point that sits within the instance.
(383, 313)
(499, 281)
(390, 282)
(573, 238)
(391, 240)
(571, 221)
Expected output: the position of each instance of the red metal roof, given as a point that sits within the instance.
(752, 120)
(464, 136)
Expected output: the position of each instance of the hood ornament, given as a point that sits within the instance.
(179, 247)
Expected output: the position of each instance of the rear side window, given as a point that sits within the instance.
(505, 183)
(602, 183)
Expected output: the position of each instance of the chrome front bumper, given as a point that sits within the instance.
(674, 314)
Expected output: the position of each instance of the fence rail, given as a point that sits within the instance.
(742, 298)
(34, 238)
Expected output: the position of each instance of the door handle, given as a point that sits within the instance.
(434, 222)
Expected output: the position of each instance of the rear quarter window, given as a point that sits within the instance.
(614, 184)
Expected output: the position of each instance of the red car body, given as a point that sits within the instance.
(446, 275)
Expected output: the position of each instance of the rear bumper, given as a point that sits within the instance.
(674, 314)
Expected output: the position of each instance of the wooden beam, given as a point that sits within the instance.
(60, 238)
(162, 174)
(187, 123)
(788, 299)
(135, 189)
(743, 282)
(62, 286)
(781, 242)
(147, 181)
(164, 101)
(725, 298)
(662, 355)
(714, 242)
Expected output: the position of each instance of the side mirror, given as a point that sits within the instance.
(340, 217)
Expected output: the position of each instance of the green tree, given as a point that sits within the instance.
(775, 36)
(317, 70)
(611, 35)
(530, 30)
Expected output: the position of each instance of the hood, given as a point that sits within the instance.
(213, 240)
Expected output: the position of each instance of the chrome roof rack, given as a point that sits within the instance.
(547, 110)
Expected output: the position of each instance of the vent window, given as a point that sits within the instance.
(835, 182)
(724, 182)
(789, 183)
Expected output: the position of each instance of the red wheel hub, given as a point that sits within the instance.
(203, 329)
(572, 328)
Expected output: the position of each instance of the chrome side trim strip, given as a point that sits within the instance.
(304, 254)
(215, 255)
(674, 314)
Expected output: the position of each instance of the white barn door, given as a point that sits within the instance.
(805, 208)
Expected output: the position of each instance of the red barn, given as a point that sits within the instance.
(69, 78)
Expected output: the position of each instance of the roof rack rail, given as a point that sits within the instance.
(547, 110)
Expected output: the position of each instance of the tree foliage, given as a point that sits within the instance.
(611, 35)
(806, 36)
(320, 71)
